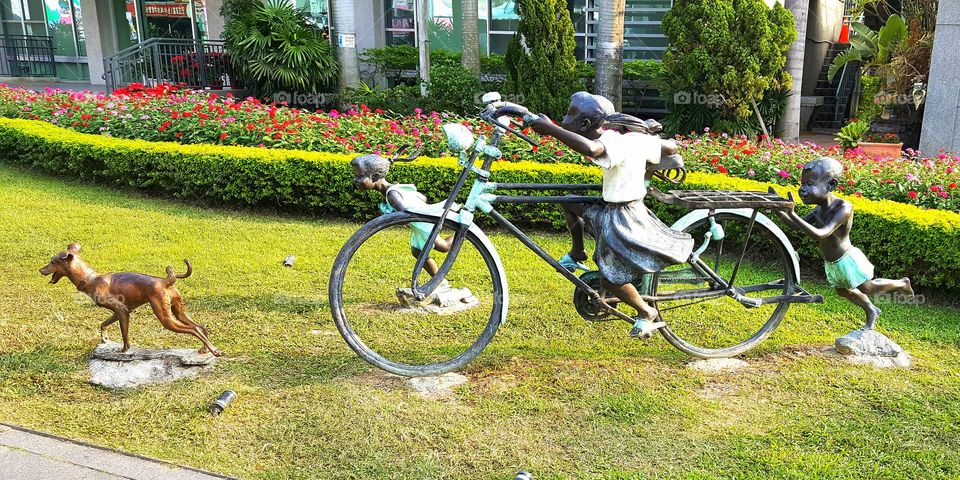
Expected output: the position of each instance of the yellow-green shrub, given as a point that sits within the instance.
(902, 240)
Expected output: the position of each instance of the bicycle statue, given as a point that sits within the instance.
(736, 279)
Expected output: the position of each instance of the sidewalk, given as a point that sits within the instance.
(28, 455)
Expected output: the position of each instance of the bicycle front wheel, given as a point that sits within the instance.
(384, 324)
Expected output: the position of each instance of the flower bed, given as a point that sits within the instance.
(899, 239)
(166, 114)
(927, 182)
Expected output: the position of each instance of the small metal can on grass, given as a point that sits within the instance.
(221, 402)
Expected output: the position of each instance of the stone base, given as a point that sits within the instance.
(138, 367)
(437, 387)
(870, 347)
(445, 300)
(717, 365)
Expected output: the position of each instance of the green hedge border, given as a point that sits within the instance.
(900, 239)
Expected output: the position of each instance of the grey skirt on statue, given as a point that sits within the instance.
(632, 241)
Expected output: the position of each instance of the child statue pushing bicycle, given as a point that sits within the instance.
(714, 284)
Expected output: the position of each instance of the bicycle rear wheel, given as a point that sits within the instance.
(723, 327)
(382, 322)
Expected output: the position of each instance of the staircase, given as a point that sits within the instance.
(837, 95)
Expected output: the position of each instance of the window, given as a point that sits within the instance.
(642, 37)
(59, 19)
(399, 20)
(318, 10)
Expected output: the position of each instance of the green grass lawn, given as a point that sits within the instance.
(552, 394)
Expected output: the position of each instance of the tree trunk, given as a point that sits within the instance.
(423, 41)
(790, 123)
(345, 41)
(471, 36)
(610, 51)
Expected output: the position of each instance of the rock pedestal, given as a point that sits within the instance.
(717, 365)
(138, 367)
(872, 348)
(444, 300)
(437, 387)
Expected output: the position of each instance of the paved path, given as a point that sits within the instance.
(28, 455)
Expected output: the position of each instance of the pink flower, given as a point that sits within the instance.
(784, 174)
(944, 195)
(751, 173)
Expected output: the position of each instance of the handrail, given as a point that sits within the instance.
(193, 62)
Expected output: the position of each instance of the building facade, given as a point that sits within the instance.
(84, 32)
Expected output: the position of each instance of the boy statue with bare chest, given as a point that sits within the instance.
(847, 268)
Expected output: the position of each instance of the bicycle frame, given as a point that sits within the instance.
(482, 198)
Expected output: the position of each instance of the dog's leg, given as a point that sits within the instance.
(176, 305)
(161, 308)
(124, 318)
(106, 323)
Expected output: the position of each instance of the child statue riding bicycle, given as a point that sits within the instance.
(715, 284)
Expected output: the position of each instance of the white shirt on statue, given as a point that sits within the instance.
(624, 164)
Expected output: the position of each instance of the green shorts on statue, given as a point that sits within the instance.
(850, 271)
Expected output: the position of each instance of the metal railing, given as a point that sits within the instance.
(26, 56)
(191, 63)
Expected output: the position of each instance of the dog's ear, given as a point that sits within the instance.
(66, 257)
(73, 247)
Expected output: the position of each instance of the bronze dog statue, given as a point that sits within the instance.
(121, 293)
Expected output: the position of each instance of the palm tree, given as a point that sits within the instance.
(610, 51)
(790, 123)
(471, 37)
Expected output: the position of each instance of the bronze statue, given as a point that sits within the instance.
(122, 293)
(371, 174)
(847, 268)
(631, 241)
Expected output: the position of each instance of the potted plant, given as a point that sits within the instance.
(850, 136)
(877, 144)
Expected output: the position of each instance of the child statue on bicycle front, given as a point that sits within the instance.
(631, 241)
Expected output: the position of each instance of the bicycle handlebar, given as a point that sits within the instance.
(490, 116)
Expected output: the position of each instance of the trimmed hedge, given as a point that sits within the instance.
(901, 240)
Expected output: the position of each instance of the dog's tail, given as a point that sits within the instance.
(172, 276)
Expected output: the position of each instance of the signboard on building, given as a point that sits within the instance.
(161, 9)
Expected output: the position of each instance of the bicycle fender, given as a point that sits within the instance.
(435, 214)
(697, 215)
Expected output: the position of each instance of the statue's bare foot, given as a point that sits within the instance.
(124, 349)
(204, 350)
(217, 353)
(649, 313)
(907, 286)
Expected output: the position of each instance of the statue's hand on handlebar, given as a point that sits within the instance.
(514, 110)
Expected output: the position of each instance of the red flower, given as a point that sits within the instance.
(912, 194)
(722, 169)
(952, 185)
(223, 136)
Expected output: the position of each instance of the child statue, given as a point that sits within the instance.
(631, 241)
(371, 174)
(847, 268)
